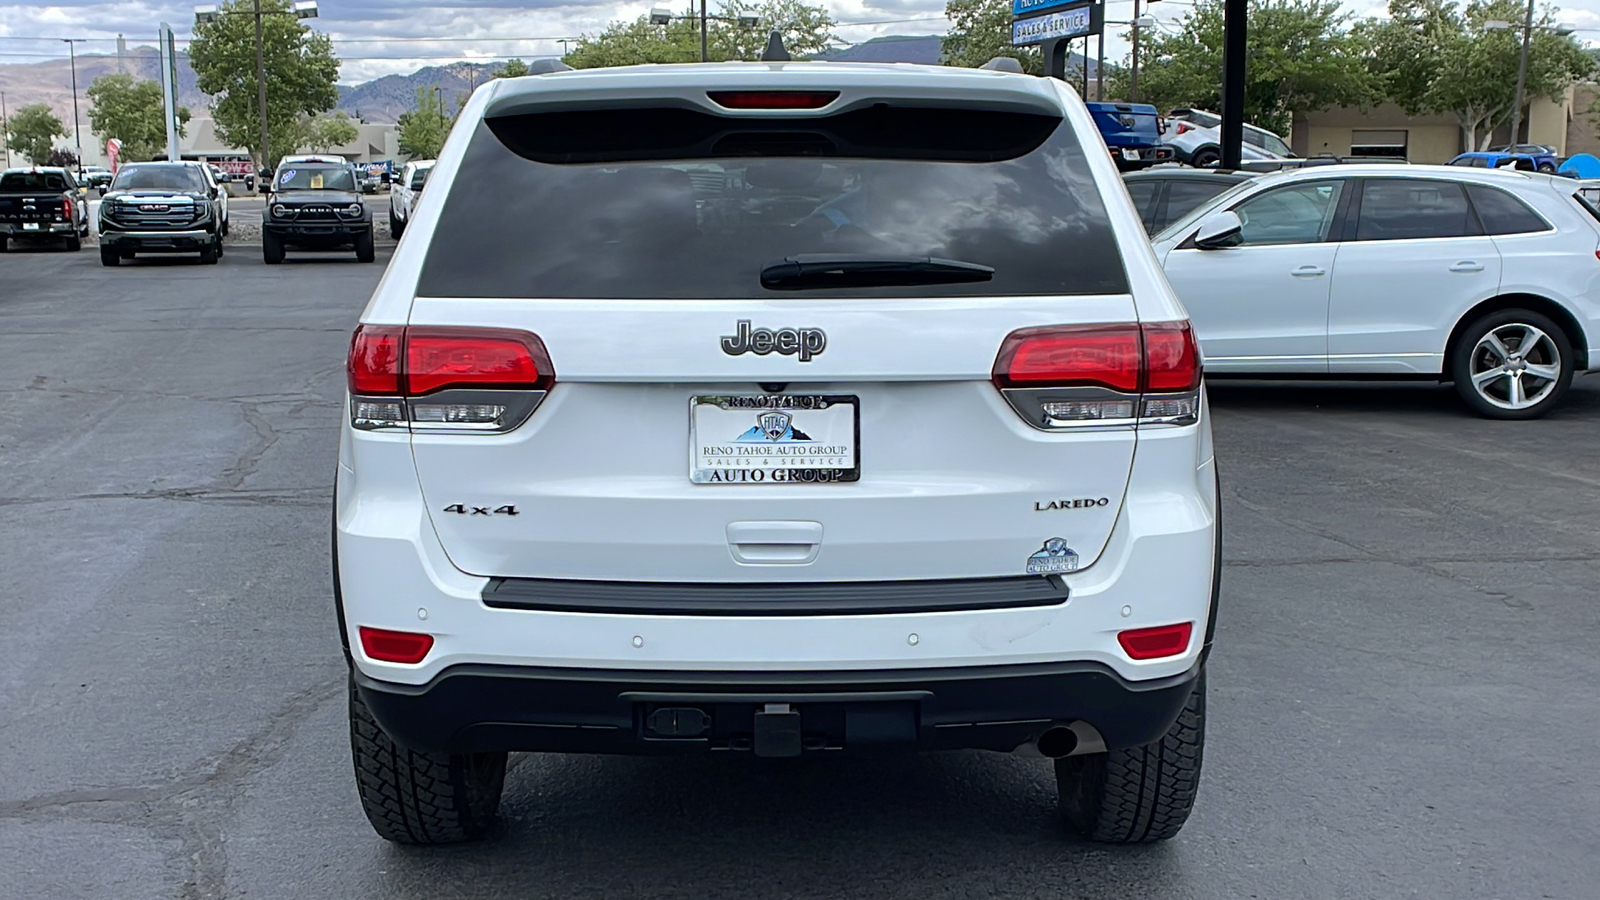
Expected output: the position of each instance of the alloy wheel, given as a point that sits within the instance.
(1515, 366)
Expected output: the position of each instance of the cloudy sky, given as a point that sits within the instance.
(376, 38)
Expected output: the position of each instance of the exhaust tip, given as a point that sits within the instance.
(1057, 742)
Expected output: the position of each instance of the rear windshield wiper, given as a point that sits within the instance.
(813, 271)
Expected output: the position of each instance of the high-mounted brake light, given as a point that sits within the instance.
(445, 378)
(395, 646)
(1065, 376)
(772, 99)
(1156, 643)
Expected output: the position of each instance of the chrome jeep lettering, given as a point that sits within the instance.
(803, 343)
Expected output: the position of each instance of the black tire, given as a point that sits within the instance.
(110, 257)
(208, 253)
(271, 248)
(365, 252)
(396, 227)
(1464, 359)
(1140, 794)
(1547, 168)
(412, 797)
(74, 243)
(1205, 158)
(224, 227)
(4, 240)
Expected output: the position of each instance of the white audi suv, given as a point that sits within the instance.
(777, 410)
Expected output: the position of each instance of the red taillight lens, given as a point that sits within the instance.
(395, 646)
(1070, 356)
(1184, 127)
(481, 358)
(66, 209)
(1156, 643)
(772, 99)
(374, 365)
(1172, 360)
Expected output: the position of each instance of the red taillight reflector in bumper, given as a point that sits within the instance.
(772, 99)
(395, 646)
(1156, 643)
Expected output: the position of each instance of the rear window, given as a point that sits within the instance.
(1503, 213)
(19, 182)
(159, 178)
(679, 204)
(314, 177)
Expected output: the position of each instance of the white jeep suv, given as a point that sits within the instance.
(787, 409)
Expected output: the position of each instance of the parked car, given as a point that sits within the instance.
(403, 194)
(1545, 157)
(1495, 159)
(42, 203)
(1132, 132)
(1167, 193)
(163, 207)
(94, 178)
(1483, 278)
(1322, 159)
(1195, 135)
(315, 204)
(600, 485)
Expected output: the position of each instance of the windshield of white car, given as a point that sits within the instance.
(159, 178)
(1221, 201)
(302, 177)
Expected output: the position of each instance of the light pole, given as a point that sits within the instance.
(5, 127)
(662, 16)
(1522, 63)
(302, 9)
(1137, 23)
(77, 127)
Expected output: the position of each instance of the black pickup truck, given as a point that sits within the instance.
(42, 204)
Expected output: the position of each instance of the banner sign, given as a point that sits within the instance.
(1066, 24)
(1021, 8)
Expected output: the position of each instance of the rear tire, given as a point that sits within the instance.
(1139, 794)
(395, 225)
(1547, 168)
(1529, 381)
(1205, 158)
(110, 257)
(4, 239)
(271, 248)
(412, 797)
(74, 243)
(365, 252)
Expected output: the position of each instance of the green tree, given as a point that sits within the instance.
(1431, 56)
(1303, 55)
(34, 129)
(131, 110)
(980, 30)
(424, 128)
(325, 133)
(301, 71)
(514, 68)
(806, 31)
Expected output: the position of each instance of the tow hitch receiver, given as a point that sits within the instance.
(777, 731)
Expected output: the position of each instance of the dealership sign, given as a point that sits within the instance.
(1063, 25)
(1021, 8)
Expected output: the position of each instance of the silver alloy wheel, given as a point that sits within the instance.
(1515, 366)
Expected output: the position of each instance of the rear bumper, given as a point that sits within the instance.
(482, 708)
(45, 229)
(1142, 157)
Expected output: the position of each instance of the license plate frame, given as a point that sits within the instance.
(1130, 154)
(30, 226)
(824, 413)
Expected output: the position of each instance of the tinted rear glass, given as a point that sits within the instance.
(313, 177)
(163, 178)
(17, 182)
(676, 204)
(1502, 213)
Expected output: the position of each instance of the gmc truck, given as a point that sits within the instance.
(42, 204)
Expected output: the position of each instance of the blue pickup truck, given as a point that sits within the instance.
(1132, 132)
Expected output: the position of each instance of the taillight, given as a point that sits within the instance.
(1156, 643)
(1112, 374)
(395, 646)
(66, 209)
(1184, 127)
(426, 378)
(772, 99)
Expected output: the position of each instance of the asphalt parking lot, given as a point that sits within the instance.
(1403, 698)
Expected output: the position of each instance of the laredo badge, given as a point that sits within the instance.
(1053, 558)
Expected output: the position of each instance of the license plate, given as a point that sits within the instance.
(30, 226)
(774, 438)
(1130, 154)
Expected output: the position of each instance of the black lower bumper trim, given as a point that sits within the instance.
(779, 599)
(480, 708)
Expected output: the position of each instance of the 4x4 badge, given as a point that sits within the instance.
(802, 342)
(1053, 558)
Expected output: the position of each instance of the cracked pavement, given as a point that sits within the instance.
(1403, 696)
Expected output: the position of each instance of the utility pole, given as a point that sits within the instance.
(1100, 66)
(1235, 25)
(1522, 76)
(703, 30)
(5, 127)
(261, 88)
(1133, 81)
(77, 126)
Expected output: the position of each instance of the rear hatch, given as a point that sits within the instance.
(32, 197)
(1128, 124)
(773, 342)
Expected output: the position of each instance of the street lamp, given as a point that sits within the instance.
(1146, 21)
(1522, 63)
(77, 127)
(300, 9)
(660, 15)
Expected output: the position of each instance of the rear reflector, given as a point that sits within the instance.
(1071, 356)
(772, 99)
(395, 646)
(1158, 642)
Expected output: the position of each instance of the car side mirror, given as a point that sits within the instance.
(1219, 231)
